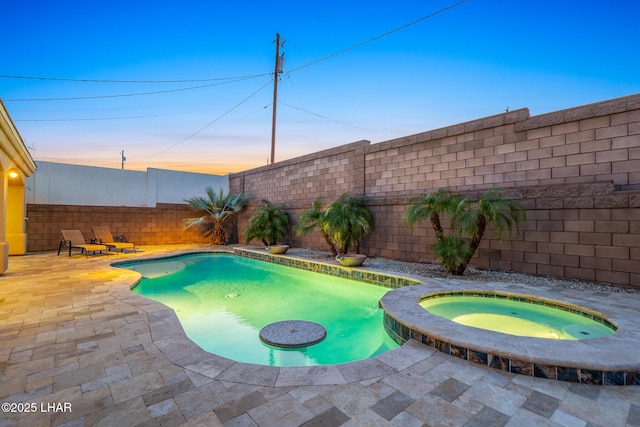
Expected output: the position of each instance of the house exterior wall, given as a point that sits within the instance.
(16, 165)
(576, 171)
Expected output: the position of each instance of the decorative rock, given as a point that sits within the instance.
(293, 334)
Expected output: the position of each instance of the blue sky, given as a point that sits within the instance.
(470, 61)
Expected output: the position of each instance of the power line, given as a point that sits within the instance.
(219, 81)
(304, 110)
(211, 122)
(227, 79)
(99, 118)
(67, 79)
(402, 27)
(124, 94)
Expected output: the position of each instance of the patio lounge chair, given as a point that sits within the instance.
(75, 239)
(104, 236)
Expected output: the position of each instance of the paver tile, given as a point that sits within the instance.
(392, 405)
(495, 397)
(591, 410)
(285, 411)
(541, 404)
(436, 412)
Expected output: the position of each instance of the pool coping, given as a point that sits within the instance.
(606, 360)
(361, 273)
(413, 326)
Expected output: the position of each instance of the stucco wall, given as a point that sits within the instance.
(577, 172)
(16, 165)
(66, 184)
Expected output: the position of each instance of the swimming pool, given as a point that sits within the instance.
(222, 302)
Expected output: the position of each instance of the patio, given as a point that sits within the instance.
(78, 349)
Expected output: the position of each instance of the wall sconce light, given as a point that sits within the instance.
(13, 173)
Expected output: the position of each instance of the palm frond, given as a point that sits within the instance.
(269, 223)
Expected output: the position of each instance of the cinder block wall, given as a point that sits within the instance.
(297, 182)
(576, 171)
(151, 226)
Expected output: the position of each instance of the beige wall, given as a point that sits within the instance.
(577, 172)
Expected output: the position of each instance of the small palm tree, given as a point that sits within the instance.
(315, 218)
(469, 221)
(347, 221)
(269, 224)
(432, 207)
(452, 251)
(490, 209)
(216, 209)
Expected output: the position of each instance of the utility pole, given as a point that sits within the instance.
(276, 77)
(122, 158)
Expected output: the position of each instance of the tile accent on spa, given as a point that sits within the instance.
(375, 278)
(402, 333)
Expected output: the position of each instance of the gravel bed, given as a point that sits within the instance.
(435, 270)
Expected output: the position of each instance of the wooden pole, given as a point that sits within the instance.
(276, 76)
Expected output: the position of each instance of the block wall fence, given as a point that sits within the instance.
(158, 225)
(146, 207)
(576, 172)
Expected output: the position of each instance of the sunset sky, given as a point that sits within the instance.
(189, 85)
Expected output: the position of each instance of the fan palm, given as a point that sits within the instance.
(216, 209)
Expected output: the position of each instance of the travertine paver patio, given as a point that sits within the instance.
(71, 333)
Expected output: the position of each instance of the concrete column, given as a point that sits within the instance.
(4, 246)
(16, 235)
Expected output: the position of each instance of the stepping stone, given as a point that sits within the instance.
(293, 333)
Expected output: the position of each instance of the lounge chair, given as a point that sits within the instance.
(75, 239)
(104, 236)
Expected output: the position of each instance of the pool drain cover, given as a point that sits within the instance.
(293, 333)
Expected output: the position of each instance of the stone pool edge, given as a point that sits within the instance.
(361, 274)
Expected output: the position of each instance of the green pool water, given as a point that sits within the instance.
(223, 301)
(516, 317)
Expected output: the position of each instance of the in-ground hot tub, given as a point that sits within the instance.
(604, 360)
(518, 315)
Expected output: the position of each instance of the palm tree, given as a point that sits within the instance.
(490, 209)
(269, 224)
(432, 206)
(347, 221)
(216, 209)
(469, 221)
(315, 218)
